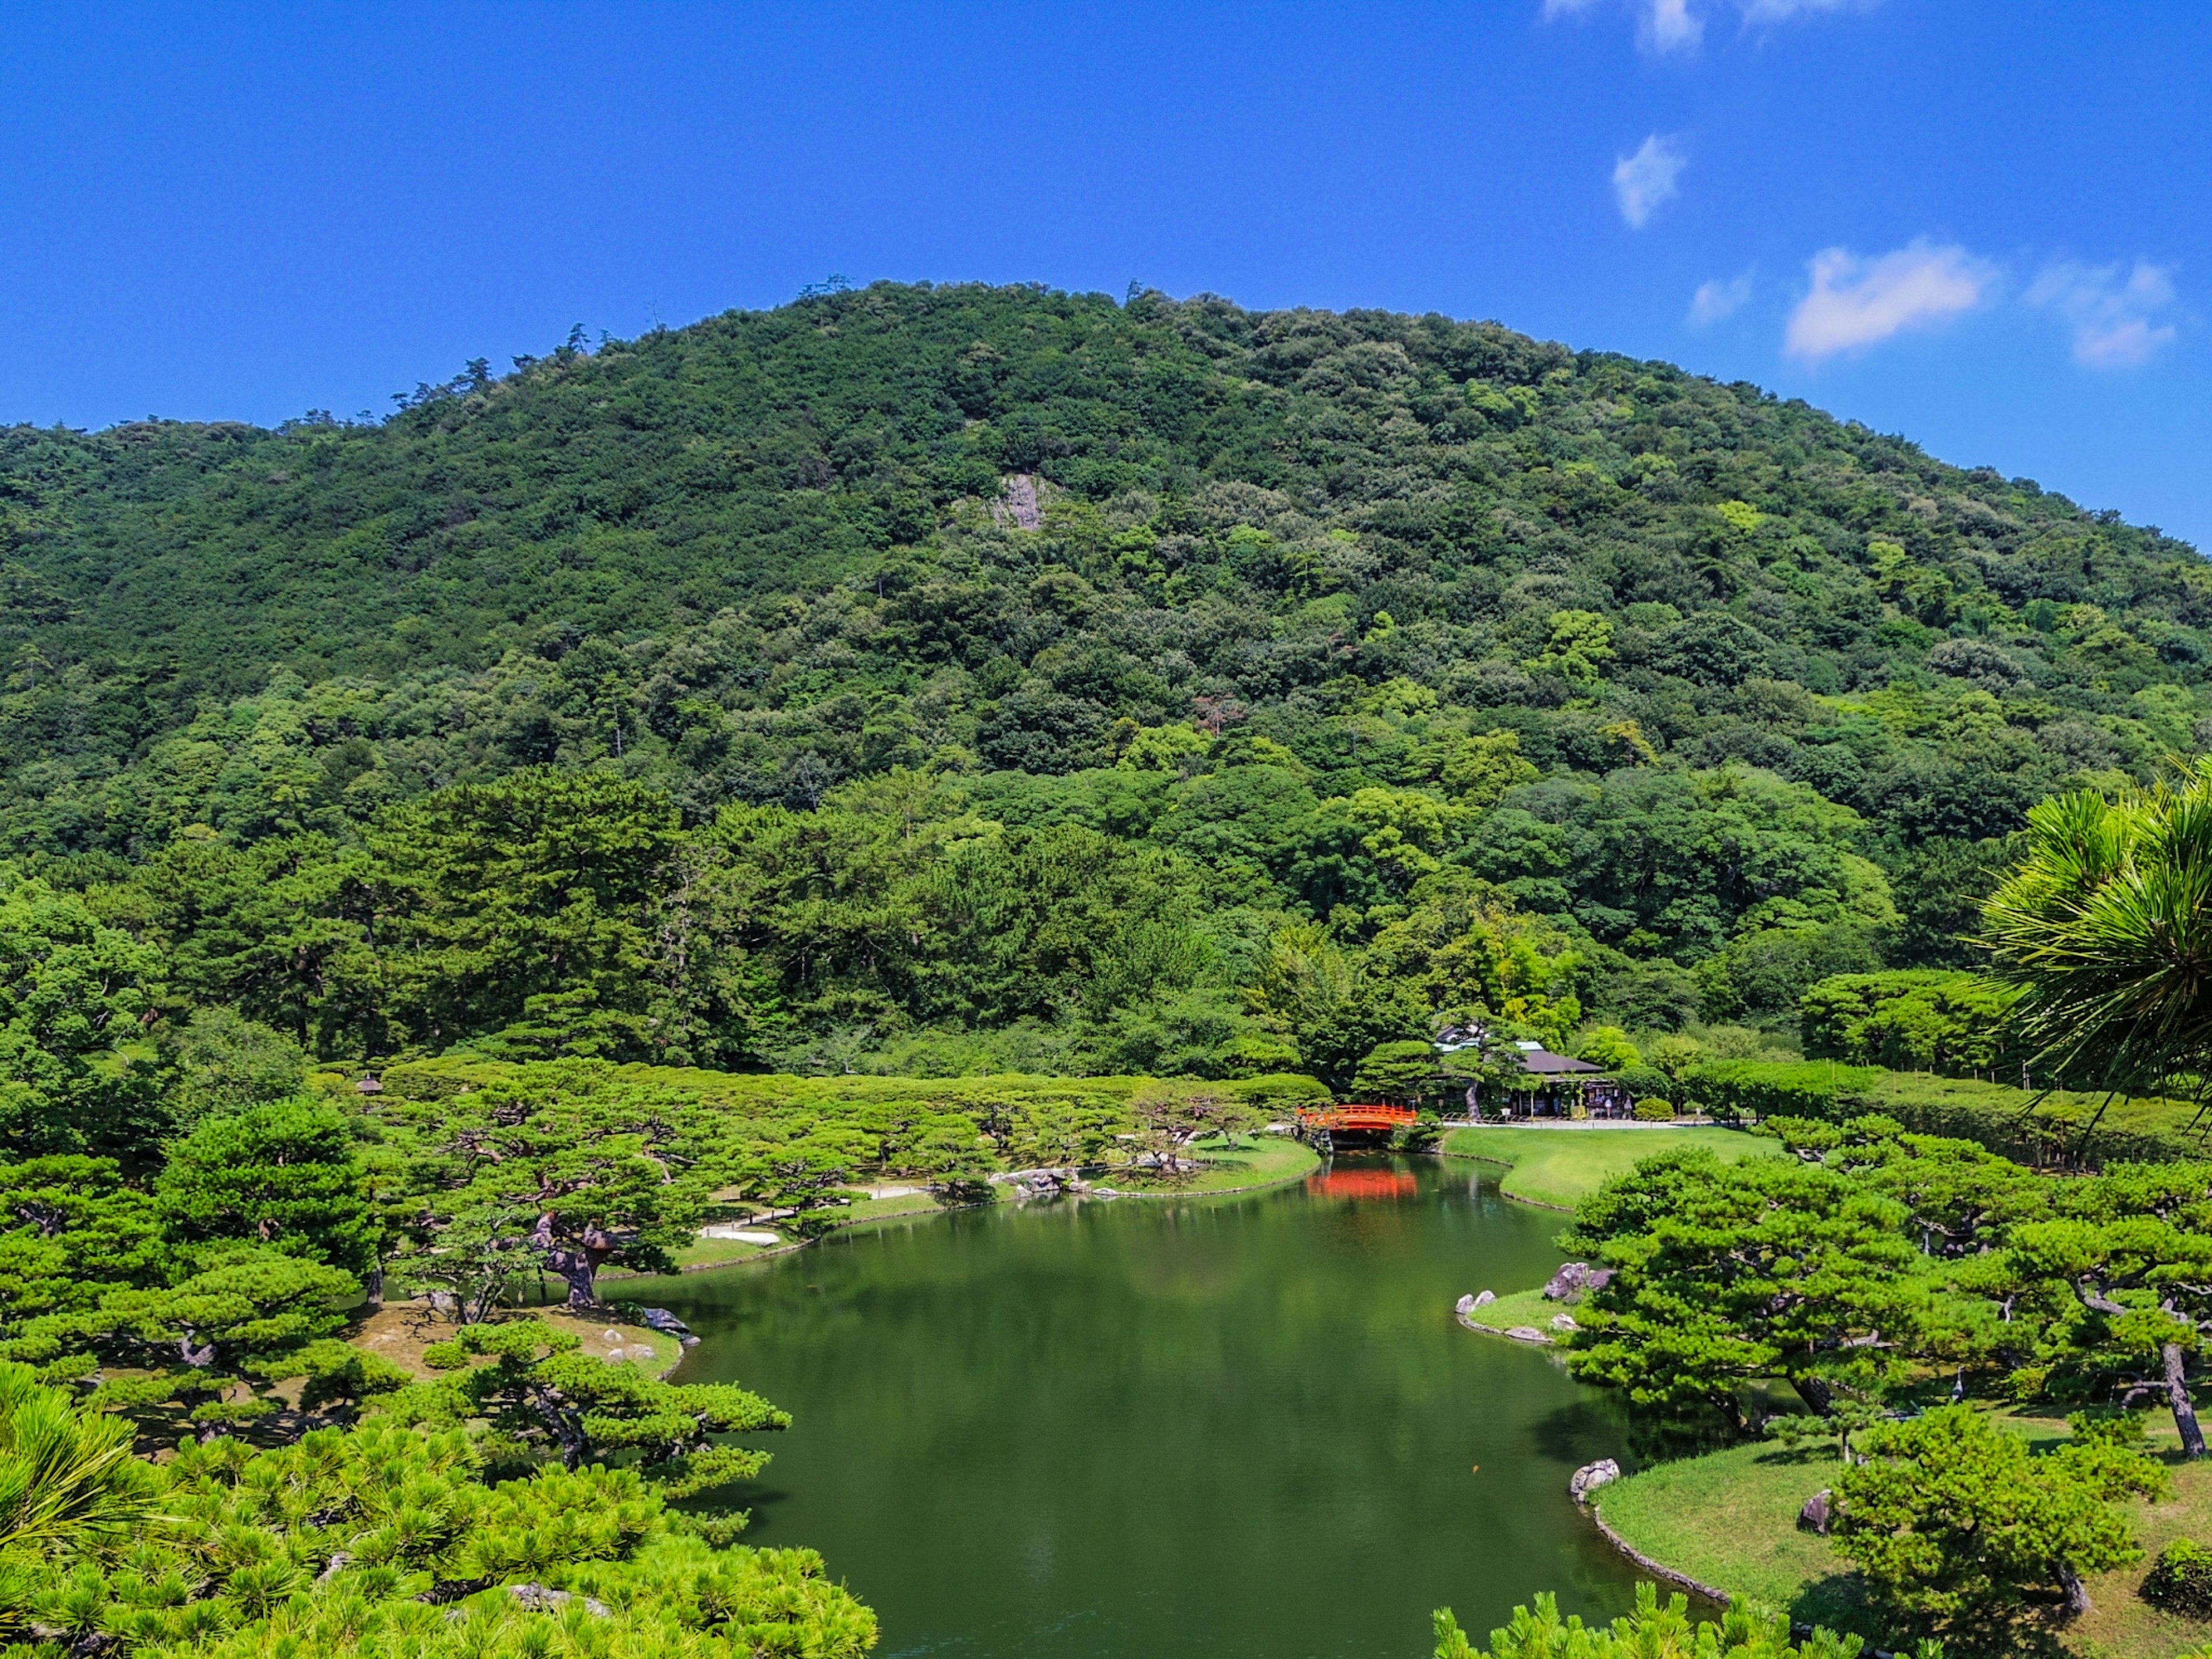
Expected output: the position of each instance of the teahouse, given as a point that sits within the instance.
(1557, 1084)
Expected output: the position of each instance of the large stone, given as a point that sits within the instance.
(1485, 1299)
(659, 1319)
(1564, 1323)
(1588, 1478)
(1819, 1513)
(1571, 1281)
(1567, 1282)
(1468, 1303)
(1526, 1334)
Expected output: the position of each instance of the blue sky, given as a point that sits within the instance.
(1984, 226)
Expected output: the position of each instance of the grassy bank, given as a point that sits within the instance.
(1253, 1161)
(1520, 1308)
(1729, 1519)
(1561, 1167)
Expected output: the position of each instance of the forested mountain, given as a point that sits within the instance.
(937, 676)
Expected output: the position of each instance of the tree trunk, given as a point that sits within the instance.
(1814, 1391)
(2177, 1394)
(2077, 1593)
(580, 1269)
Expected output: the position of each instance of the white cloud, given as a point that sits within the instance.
(1723, 296)
(1671, 25)
(2114, 318)
(1642, 183)
(1680, 24)
(1861, 302)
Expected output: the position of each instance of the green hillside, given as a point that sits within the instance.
(1355, 668)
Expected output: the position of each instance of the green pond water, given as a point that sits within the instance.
(1240, 1426)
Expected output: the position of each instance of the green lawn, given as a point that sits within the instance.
(1729, 1519)
(1519, 1308)
(1560, 1167)
(1253, 1161)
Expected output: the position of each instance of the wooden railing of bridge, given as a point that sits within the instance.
(1315, 1121)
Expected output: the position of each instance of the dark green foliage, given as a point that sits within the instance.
(1729, 1274)
(2054, 1127)
(1911, 1020)
(2101, 931)
(658, 702)
(2180, 1580)
(76, 1072)
(546, 1402)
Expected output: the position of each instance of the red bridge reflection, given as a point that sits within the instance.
(1362, 1183)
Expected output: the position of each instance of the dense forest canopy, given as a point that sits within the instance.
(940, 678)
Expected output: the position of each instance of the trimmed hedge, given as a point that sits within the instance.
(1028, 1120)
(2063, 1129)
(2182, 1581)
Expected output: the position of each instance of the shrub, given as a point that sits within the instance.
(2067, 1128)
(2181, 1582)
(1642, 1080)
(1653, 1109)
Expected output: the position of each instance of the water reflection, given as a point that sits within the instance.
(1246, 1425)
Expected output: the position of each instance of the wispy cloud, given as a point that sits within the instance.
(1645, 181)
(1856, 302)
(2115, 316)
(1781, 11)
(1723, 296)
(1671, 25)
(1665, 25)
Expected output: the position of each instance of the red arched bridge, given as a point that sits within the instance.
(1322, 1124)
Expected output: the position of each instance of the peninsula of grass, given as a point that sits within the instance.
(1729, 1519)
(1520, 1308)
(1225, 1167)
(1559, 1168)
(1251, 1161)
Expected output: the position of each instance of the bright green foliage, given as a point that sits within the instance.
(2180, 1581)
(1400, 1071)
(1958, 1198)
(207, 1343)
(1168, 1121)
(2102, 929)
(1653, 1631)
(69, 1485)
(1959, 1522)
(73, 1230)
(383, 1540)
(570, 1179)
(1733, 1273)
(546, 1401)
(2124, 1273)
(75, 1074)
(288, 1175)
(1910, 1021)
(1607, 1046)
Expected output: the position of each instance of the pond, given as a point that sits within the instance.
(1244, 1425)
